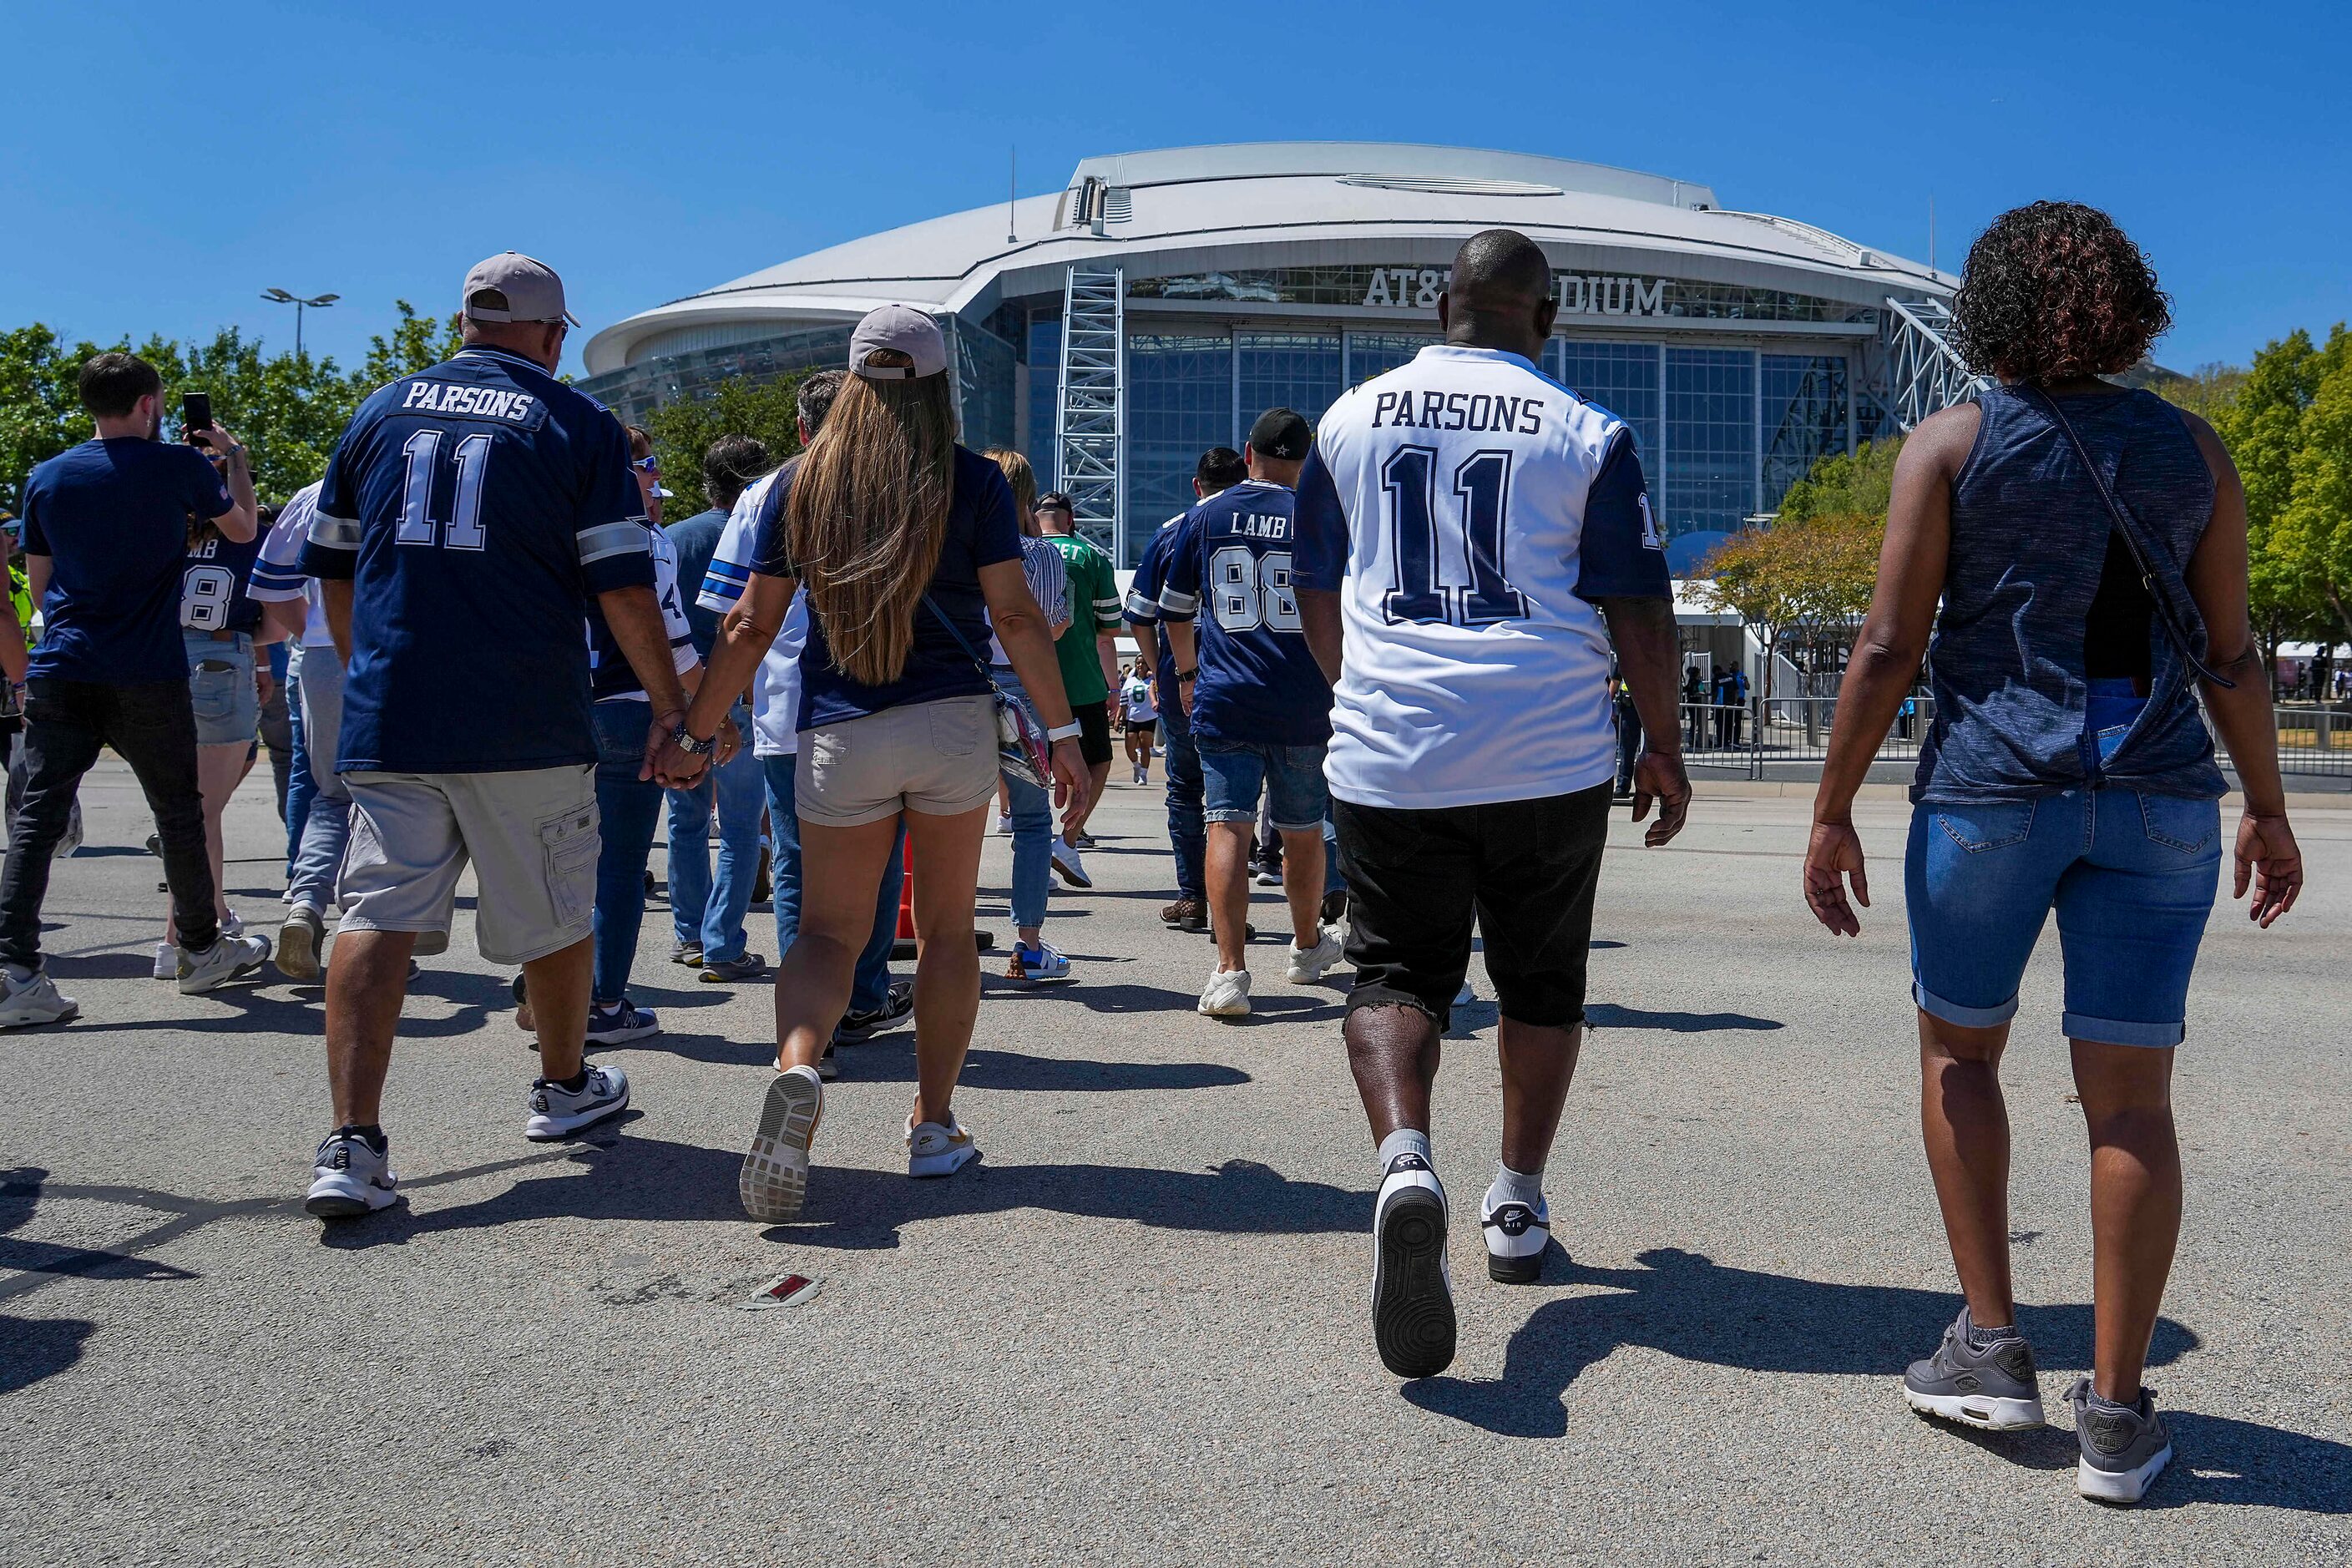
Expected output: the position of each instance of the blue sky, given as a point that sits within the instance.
(161, 165)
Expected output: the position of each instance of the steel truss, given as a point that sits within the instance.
(1088, 443)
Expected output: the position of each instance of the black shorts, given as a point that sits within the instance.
(1094, 730)
(1526, 869)
(1144, 727)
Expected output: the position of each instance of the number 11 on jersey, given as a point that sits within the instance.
(1481, 484)
(416, 525)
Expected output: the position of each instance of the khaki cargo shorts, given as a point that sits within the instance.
(530, 837)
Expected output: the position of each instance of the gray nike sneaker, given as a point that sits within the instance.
(2124, 1450)
(1992, 1388)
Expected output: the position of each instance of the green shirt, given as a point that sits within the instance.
(1094, 608)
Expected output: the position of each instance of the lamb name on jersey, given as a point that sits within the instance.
(1256, 680)
(1471, 512)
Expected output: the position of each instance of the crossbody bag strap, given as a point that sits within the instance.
(2172, 629)
(940, 616)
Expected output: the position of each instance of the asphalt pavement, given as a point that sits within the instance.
(1138, 1331)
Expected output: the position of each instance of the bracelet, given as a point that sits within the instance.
(689, 744)
(1069, 731)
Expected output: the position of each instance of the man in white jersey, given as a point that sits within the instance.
(1472, 538)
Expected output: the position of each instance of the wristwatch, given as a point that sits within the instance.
(1184, 675)
(689, 745)
(1069, 731)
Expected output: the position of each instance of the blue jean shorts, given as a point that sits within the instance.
(220, 684)
(1234, 774)
(2131, 877)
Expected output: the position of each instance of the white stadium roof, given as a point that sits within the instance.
(1285, 204)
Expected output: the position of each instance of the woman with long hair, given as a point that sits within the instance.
(911, 549)
(2088, 546)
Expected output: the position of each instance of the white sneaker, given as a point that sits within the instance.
(773, 1183)
(1308, 963)
(349, 1179)
(301, 943)
(33, 999)
(230, 957)
(560, 1113)
(1515, 1237)
(167, 961)
(231, 924)
(1413, 1289)
(936, 1151)
(1268, 879)
(1140, 776)
(1070, 865)
(1004, 825)
(1226, 995)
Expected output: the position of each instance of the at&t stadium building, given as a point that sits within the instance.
(1153, 307)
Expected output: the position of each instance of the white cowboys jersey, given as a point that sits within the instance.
(1471, 512)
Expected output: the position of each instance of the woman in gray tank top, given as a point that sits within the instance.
(2086, 545)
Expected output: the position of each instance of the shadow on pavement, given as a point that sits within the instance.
(1014, 1070)
(39, 1348)
(1688, 1306)
(653, 1179)
(1608, 1016)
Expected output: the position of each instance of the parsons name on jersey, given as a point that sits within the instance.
(1406, 409)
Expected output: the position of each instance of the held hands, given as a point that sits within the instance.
(1073, 781)
(667, 763)
(1659, 778)
(2269, 860)
(1835, 853)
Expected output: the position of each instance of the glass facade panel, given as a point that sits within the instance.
(1044, 394)
(1298, 370)
(984, 382)
(1802, 410)
(1376, 354)
(1710, 450)
(1621, 378)
(1581, 294)
(1179, 402)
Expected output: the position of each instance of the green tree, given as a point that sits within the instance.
(2310, 541)
(1856, 484)
(289, 410)
(683, 430)
(417, 342)
(40, 402)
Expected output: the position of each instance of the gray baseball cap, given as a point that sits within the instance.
(533, 292)
(910, 333)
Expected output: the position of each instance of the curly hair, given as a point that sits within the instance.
(2055, 291)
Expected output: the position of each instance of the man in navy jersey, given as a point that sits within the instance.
(1220, 469)
(1472, 539)
(106, 542)
(470, 515)
(1258, 704)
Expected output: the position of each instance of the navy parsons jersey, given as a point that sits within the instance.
(476, 509)
(1229, 569)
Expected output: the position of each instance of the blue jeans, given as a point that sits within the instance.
(298, 788)
(872, 986)
(1188, 833)
(1235, 774)
(2131, 875)
(706, 913)
(627, 807)
(327, 820)
(1033, 837)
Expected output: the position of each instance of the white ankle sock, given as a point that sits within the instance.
(1404, 1139)
(1516, 1187)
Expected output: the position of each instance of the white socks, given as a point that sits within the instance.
(1405, 1139)
(1515, 1187)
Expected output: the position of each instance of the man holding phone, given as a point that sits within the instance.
(106, 542)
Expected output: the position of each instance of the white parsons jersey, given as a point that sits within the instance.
(1470, 512)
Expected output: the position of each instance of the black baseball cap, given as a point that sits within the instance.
(1282, 434)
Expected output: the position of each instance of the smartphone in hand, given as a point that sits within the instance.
(196, 418)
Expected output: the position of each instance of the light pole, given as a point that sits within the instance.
(280, 296)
